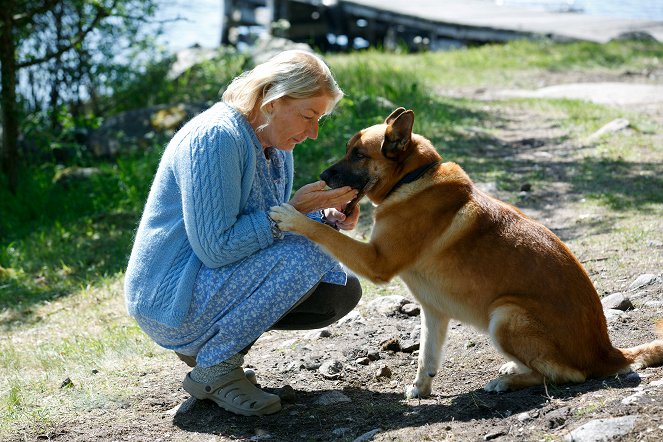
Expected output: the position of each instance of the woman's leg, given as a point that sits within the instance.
(323, 305)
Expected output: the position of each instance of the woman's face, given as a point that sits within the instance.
(293, 121)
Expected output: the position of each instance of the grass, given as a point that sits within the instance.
(63, 247)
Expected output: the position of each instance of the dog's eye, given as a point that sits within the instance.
(356, 155)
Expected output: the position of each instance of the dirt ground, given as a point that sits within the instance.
(346, 383)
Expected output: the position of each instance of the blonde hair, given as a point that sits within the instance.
(291, 74)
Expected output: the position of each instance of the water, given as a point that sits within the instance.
(202, 24)
(632, 9)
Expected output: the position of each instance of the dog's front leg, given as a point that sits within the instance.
(433, 335)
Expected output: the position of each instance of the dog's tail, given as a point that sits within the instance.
(646, 355)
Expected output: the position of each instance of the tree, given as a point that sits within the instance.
(72, 38)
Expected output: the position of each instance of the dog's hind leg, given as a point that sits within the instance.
(534, 354)
(433, 335)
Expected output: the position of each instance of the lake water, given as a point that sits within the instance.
(202, 24)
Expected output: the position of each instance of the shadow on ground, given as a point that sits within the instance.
(368, 410)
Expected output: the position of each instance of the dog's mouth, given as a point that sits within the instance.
(360, 194)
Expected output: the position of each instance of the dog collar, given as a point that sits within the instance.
(413, 176)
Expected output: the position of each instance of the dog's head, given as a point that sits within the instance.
(377, 157)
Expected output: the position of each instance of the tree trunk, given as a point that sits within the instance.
(9, 153)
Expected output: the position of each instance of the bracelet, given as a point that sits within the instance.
(273, 225)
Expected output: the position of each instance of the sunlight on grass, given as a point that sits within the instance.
(86, 338)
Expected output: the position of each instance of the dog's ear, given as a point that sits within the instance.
(392, 116)
(397, 135)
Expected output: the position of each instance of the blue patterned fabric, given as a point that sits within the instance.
(232, 305)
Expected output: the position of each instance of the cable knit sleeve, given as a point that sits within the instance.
(214, 166)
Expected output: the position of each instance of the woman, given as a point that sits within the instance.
(210, 271)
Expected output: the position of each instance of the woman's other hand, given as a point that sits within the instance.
(314, 196)
(335, 216)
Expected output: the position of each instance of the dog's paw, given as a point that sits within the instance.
(498, 385)
(286, 216)
(510, 367)
(412, 392)
(417, 390)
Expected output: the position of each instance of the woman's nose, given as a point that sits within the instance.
(313, 130)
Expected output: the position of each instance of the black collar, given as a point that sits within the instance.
(413, 176)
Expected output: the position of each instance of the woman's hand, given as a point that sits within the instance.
(337, 217)
(313, 197)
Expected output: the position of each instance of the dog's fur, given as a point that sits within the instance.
(468, 256)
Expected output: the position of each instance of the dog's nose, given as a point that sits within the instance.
(326, 175)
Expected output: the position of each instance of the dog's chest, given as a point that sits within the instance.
(435, 297)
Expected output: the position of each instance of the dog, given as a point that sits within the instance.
(466, 255)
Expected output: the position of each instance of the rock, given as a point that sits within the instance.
(182, 408)
(387, 305)
(602, 429)
(643, 280)
(67, 383)
(317, 334)
(341, 431)
(373, 355)
(617, 301)
(251, 375)
(634, 398)
(363, 361)
(391, 344)
(494, 435)
(352, 317)
(331, 369)
(613, 314)
(331, 398)
(653, 304)
(411, 309)
(616, 125)
(409, 346)
(383, 372)
(368, 435)
(133, 127)
(557, 418)
(287, 394)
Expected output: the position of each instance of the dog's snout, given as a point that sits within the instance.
(327, 174)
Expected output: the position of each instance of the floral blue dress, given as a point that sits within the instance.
(233, 305)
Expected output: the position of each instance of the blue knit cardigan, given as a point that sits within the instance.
(194, 213)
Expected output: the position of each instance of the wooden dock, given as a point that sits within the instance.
(435, 24)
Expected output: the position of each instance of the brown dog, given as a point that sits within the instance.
(468, 256)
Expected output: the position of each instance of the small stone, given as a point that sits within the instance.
(340, 432)
(409, 346)
(251, 375)
(613, 314)
(643, 280)
(67, 383)
(368, 435)
(494, 435)
(411, 309)
(387, 305)
(392, 344)
(383, 372)
(331, 398)
(287, 394)
(317, 334)
(363, 361)
(331, 369)
(602, 429)
(373, 355)
(523, 417)
(617, 301)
